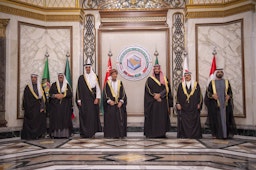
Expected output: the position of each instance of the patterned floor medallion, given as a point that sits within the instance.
(133, 152)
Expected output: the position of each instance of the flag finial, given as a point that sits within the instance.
(68, 54)
(214, 51)
(185, 65)
(156, 53)
(46, 54)
(156, 61)
(185, 53)
(110, 53)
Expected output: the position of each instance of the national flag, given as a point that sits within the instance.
(213, 68)
(156, 61)
(46, 79)
(108, 71)
(211, 77)
(67, 73)
(185, 67)
(107, 76)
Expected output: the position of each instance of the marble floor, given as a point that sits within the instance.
(133, 152)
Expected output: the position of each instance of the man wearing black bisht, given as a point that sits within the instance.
(88, 96)
(34, 123)
(220, 107)
(157, 102)
(114, 102)
(60, 108)
(189, 104)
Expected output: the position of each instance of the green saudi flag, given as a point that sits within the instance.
(68, 73)
(46, 79)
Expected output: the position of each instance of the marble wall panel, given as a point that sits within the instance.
(34, 42)
(51, 3)
(227, 38)
(210, 1)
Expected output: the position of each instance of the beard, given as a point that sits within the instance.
(219, 76)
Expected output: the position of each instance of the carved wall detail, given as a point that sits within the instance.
(89, 43)
(178, 47)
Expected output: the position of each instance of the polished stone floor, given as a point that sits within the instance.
(133, 152)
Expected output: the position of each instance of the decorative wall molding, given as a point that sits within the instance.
(133, 18)
(210, 2)
(47, 3)
(132, 4)
(74, 13)
(178, 47)
(3, 25)
(217, 11)
(67, 15)
(89, 39)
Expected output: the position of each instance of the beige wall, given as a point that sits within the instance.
(117, 42)
(249, 56)
(12, 88)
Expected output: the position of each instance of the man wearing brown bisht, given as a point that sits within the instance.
(114, 102)
(157, 102)
(189, 104)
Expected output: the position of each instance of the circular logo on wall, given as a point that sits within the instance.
(134, 63)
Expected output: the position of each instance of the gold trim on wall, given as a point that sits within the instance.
(45, 17)
(33, 5)
(3, 25)
(222, 4)
(222, 13)
(134, 19)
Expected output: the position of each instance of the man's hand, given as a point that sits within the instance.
(178, 106)
(41, 110)
(215, 96)
(198, 106)
(59, 96)
(119, 104)
(79, 103)
(112, 103)
(227, 98)
(157, 96)
(96, 101)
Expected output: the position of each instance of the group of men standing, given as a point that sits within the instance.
(157, 103)
(219, 103)
(59, 108)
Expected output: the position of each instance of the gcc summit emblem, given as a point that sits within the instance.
(134, 63)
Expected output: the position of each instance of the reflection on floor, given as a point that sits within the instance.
(133, 152)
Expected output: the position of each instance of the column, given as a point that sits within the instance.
(3, 25)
